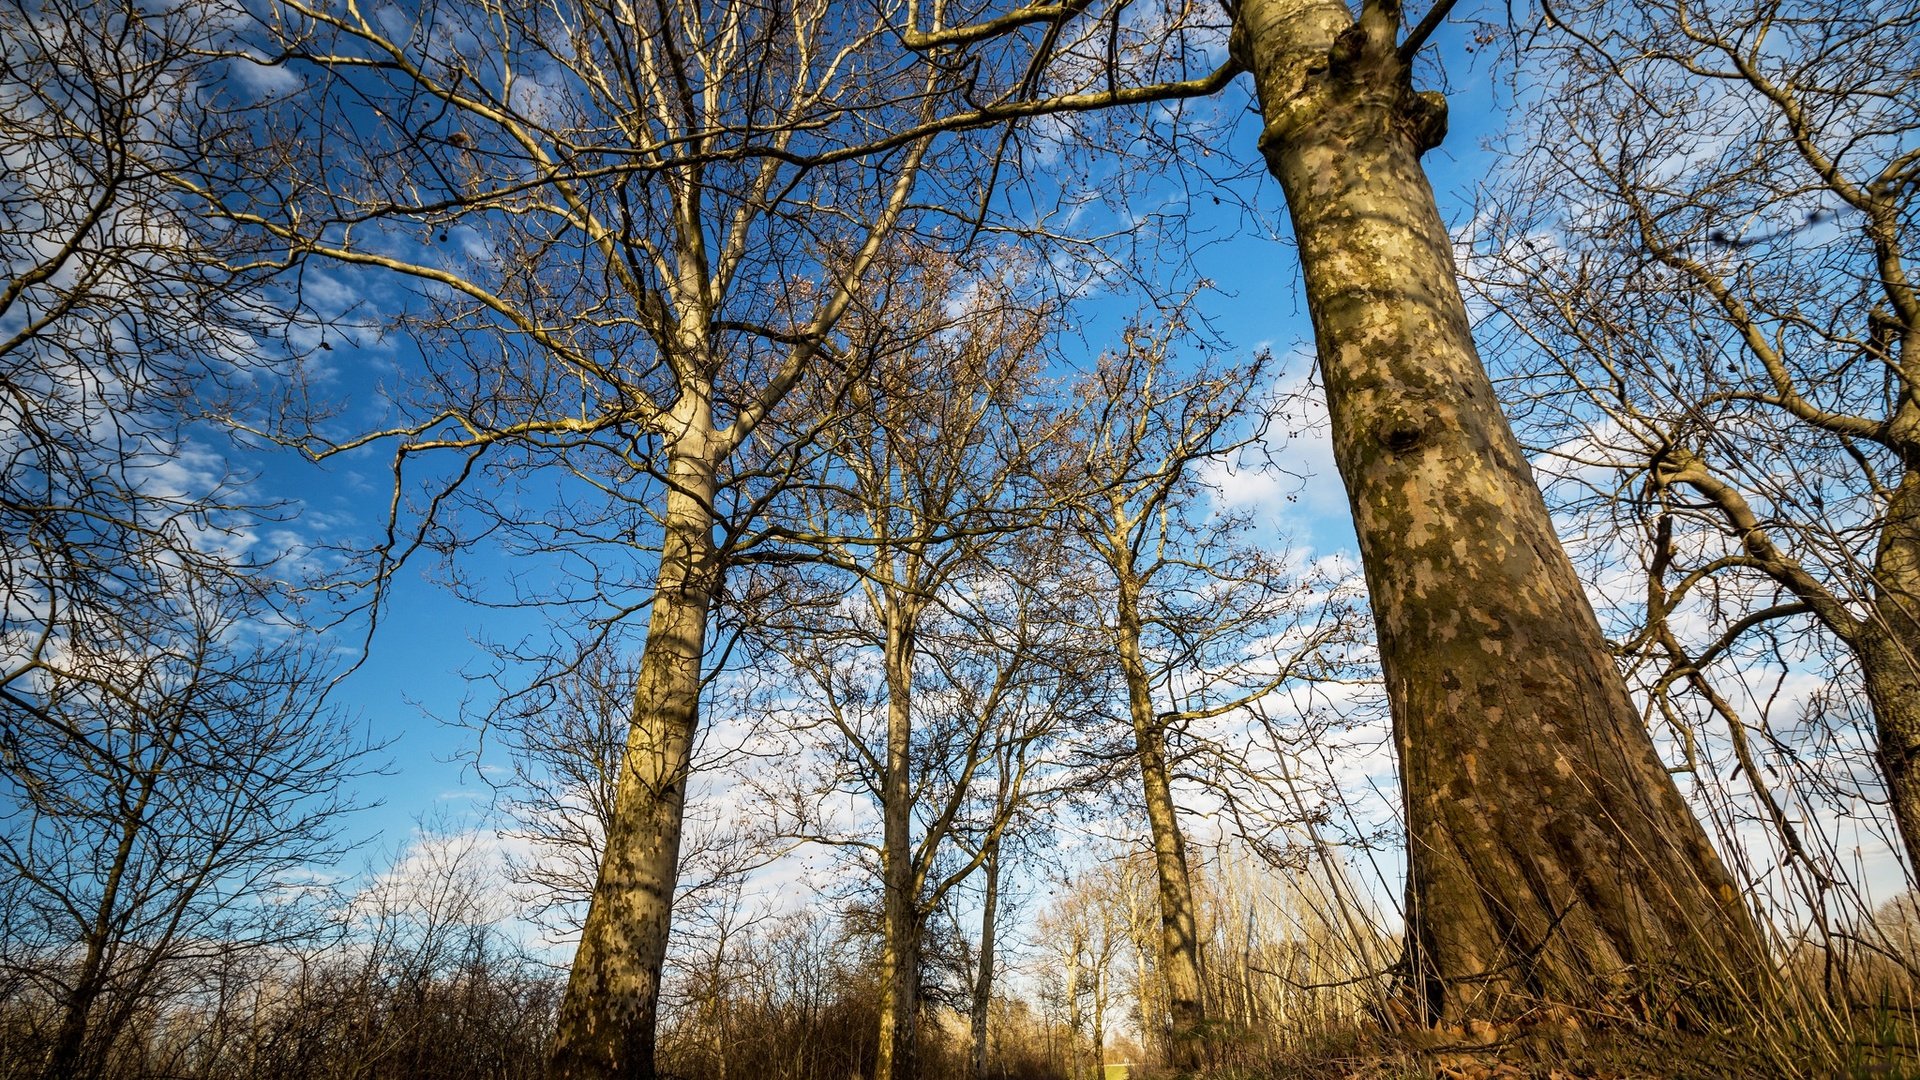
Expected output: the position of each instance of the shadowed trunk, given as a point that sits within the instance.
(1887, 663)
(606, 1023)
(1179, 932)
(1550, 854)
(69, 1041)
(983, 978)
(1888, 645)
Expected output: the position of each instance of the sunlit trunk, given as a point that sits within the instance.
(1551, 856)
(900, 949)
(1098, 1071)
(1179, 933)
(1072, 981)
(606, 1024)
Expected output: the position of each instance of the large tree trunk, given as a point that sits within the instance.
(1888, 645)
(983, 978)
(900, 949)
(1550, 855)
(606, 1024)
(1179, 926)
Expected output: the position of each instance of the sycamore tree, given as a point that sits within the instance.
(1550, 854)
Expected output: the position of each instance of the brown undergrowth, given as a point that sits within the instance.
(1558, 1044)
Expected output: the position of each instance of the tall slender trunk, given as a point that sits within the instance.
(1072, 980)
(1179, 930)
(606, 1023)
(1147, 959)
(1888, 645)
(983, 978)
(1550, 854)
(900, 951)
(1099, 1022)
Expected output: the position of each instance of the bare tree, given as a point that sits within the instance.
(1523, 759)
(169, 774)
(1084, 935)
(987, 954)
(1550, 853)
(932, 467)
(1700, 249)
(169, 794)
(1198, 620)
(121, 324)
(643, 173)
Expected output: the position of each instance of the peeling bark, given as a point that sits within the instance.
(606, 1023)
(1550, 855)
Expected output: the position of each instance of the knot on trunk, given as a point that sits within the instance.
(1677, 465)
(1404, 426)
(1347, 49)
(1422, 114)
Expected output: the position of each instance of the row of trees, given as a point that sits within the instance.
(749, 281)
(642, 284)
(992, 575)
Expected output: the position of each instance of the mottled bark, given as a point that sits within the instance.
(1888, 644)
(900, 907)
(606, 1023)
(1893, 689)
(1179, 931)
(1550, 854)
(983, 975)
